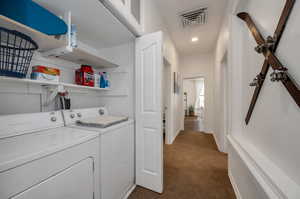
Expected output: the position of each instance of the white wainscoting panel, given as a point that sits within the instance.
(270, 181)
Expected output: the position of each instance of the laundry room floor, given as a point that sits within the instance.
(193, 169)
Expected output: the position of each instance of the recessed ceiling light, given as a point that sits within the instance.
(195, 39)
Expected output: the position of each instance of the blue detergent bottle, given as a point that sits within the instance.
(102, 80)
(107, 83)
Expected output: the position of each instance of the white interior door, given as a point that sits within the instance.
(149, 135)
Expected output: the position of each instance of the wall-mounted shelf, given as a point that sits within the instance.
(48, 45)
(48, 83)
(97, 26)
(44, 41)
(82, 56)
(67, 85)
(29, 81)
(113, 95)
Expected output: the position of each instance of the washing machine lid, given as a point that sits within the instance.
(20, 149)
(102, 121)
(102, 131)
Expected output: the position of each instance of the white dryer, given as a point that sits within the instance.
(42, 159)
(116, 149)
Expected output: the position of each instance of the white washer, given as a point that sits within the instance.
(40, 158)
(116, 152)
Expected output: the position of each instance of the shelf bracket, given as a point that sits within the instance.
(68, 48)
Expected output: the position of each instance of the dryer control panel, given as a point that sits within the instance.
(72, 116)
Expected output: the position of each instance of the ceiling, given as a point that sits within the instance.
(207, 34)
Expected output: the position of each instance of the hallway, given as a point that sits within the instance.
(193, 169)
(193, 123)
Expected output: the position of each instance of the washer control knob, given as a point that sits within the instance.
(79, 115)
(53, 119)
(72, 116)
(101, 111)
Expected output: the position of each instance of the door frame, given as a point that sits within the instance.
(168, 138)
(191, 77)
(225, 97)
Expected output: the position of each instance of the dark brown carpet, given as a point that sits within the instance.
(193, 169)
(191, 124)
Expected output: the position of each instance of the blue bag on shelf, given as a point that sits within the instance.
(33, 15)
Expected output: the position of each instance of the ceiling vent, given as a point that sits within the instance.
(195, 17)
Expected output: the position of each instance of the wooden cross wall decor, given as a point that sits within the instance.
(268, 48)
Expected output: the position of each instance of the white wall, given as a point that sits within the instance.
(264, 156)
(219, 68)
(166, 85)
(201, 65)
(154, 22)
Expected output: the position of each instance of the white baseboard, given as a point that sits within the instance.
(174, 137)
(129, 191)
(177, 133)
(275, 183)
(208, 130)
(220, 148)
(234, 185)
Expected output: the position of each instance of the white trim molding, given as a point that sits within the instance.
(234, 185)
(130, 191)
(220, 148)
(175, 136)
(275, 183)
(208, 131)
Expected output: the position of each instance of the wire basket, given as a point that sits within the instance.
(16, 51)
